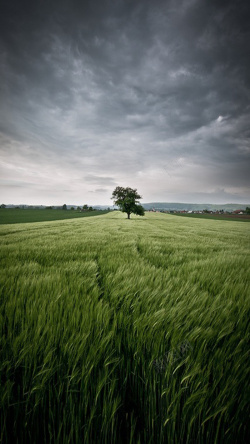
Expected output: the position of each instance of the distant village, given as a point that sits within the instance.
(241, 211)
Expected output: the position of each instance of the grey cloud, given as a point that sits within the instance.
(100, 190)
(107, 92)
(15, 184)
(99, 179)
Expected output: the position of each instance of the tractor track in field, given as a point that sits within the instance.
(147, 261)
(99, 279)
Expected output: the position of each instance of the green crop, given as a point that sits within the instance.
(124, 331)
(15, 216)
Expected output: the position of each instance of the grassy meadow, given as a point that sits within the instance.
(124, 331)
(14, 216)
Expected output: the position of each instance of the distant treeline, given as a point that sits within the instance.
(56, 207)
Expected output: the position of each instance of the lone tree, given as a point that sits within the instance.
(127, 201)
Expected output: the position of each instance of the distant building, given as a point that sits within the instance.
(238, 212)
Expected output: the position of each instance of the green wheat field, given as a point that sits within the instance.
(124, 331)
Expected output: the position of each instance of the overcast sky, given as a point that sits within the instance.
(154, 95)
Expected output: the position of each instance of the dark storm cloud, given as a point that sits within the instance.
(107, 92)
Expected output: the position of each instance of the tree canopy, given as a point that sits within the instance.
(127, 200)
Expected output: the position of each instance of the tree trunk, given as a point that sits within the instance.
(128, 215)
